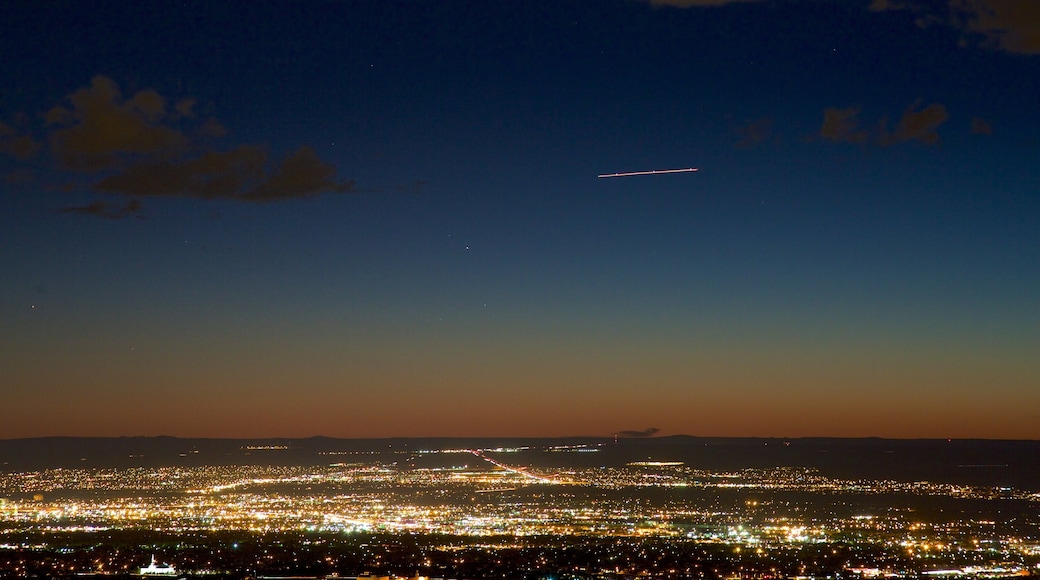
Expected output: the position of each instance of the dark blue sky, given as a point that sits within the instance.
(383, 218)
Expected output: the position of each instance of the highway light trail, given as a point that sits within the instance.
(515, 470)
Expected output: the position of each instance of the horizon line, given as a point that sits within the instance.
(527, 437)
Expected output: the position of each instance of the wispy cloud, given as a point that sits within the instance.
(1008, 25)
(107, 209)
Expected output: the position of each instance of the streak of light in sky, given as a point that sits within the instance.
(651, 172)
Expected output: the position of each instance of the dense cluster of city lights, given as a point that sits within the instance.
(485, 495)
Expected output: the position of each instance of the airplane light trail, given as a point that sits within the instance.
(652, 172)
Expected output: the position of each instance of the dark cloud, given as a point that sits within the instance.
(842, 125)
(21, 146)
(1008, 25)
(20, 175)
(755, 132)
(106, 209)
(214, 174)
(692, 3)
(185, 107)
(105, 129)
(142, 146)
(241, 173)
(211, 129)
(1012, 25)
(648, 432)
(921, 125)
(981, 127)
(150, 104)
(301, 174)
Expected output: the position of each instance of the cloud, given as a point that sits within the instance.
(692, 3)
(185, 107)
(1008, 25)
(19, 146)
(981, 127)
(214, 174)
(842, 125)
(648, 432)
(106, 209)
(105, 129)
(301, 174)
(919, 125)
(211, 129)
(241, 173)
(1012, 25)
(142, 146)
(755, 132)
(20, 175)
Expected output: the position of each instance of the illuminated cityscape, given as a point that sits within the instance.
(448, 503)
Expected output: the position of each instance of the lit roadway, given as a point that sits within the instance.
(517, 470)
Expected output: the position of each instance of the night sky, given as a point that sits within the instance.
(383, 218)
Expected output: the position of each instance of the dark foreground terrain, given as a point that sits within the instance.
(245, 555)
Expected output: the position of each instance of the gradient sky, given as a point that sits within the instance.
(383, 218)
